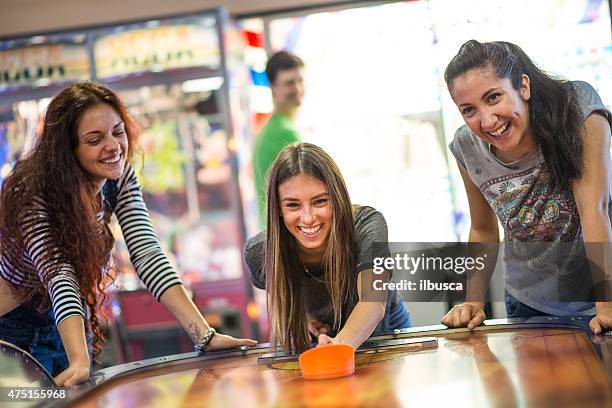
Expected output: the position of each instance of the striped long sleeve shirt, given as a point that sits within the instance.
(146, 254)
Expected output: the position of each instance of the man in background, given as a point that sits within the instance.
(285, 75)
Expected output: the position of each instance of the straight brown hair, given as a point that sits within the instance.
(282, 266)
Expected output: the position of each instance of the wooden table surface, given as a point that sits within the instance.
(499, 367)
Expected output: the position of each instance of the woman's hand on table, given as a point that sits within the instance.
(222, 341)
(603, 319)
(468, 314)
(75, 374)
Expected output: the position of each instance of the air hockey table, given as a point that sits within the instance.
(539, 362)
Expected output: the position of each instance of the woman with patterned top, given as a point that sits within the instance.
(534, 156)
(55, 241)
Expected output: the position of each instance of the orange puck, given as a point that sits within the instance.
(328, 361)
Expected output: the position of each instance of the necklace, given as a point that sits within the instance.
(510, 164)
(514, 163)
(310, 274)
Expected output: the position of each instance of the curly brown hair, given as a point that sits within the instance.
(52, 173)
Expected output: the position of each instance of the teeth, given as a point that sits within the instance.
(113, 160)
(310, 231)
(501, 130)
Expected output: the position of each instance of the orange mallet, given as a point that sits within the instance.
(328, 361)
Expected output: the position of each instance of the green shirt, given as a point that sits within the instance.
(275, 135)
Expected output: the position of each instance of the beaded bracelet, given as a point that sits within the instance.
(201, 346)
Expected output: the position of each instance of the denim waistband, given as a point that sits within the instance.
(27, 316)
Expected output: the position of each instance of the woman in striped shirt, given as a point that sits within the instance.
(55, 241)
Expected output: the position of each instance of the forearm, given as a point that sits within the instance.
(596, 225)
(597, 238)
(482, 243)
(182, 307)
(361, 323)
(72, 333)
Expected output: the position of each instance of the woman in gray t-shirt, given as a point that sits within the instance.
(315, 259)
(535, 156)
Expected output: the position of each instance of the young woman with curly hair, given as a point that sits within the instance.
(55, 242)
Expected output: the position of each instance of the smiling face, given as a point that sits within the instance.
(103, 143)
(307, 213)
(495, 111)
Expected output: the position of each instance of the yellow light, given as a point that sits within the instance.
(253, 311)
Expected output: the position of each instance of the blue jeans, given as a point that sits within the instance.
(37, 334)
(396, 316)
(515, 308)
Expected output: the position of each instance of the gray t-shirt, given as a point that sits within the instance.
(370, 227)
(544, 259)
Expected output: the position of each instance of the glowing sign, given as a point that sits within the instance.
(156, 49)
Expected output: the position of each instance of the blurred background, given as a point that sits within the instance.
(192, 73)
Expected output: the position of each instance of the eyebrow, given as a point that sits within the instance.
(97, 131)
(484, 95)
(297, 199)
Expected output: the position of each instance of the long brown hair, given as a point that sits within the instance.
(52, 175)
(283, 269)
